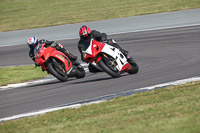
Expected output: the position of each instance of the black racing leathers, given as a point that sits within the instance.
(98, 36)
(58, 46)
(101, 37)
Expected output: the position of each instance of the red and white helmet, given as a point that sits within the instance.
(84, 32)
(32, 42)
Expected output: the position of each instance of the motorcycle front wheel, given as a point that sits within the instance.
(57, 69)
(109, 69)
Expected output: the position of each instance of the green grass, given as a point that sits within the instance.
(174, 109)
(25, 14)
(20, 74)
(170, 110)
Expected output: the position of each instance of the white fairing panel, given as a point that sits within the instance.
(112, 51)
(116, 54)
(89, 49)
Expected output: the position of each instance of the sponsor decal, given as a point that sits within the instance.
(84, 55)
(61, 57)
(60, 45)
(94, 45)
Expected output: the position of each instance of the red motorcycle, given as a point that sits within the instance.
(108, 59)
(57, 63)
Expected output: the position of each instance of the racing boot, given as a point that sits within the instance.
(78, 65)
(131, 61)
(60, 47)
(73, 59)
(113, 43)
(71, 56)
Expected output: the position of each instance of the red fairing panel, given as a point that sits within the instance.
(125, 68)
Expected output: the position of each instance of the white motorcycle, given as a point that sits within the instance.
(108, 59)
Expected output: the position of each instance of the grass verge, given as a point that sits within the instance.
(25, 14)
(20, 74)
(174, 109)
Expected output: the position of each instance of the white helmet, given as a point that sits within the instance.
(32, 42)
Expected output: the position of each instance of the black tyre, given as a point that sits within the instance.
(80, 72)
(134, 69)
(109, 69)
(57, 69)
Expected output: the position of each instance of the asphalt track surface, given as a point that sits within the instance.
(162, 55)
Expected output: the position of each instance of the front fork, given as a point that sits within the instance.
(99, 57)
(111, 62)
(58, 65)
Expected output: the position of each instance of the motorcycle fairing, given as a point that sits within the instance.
(59, 55)
(96, 47)
(120, 58)
(43, 54)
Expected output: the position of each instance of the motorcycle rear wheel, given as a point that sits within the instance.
(52, 69)
(80, 72)
(134, 69)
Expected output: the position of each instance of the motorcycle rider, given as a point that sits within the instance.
(86, 34)
(33, 42)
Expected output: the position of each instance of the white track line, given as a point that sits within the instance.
(100, 99)
(47, 79)
(12, 86)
